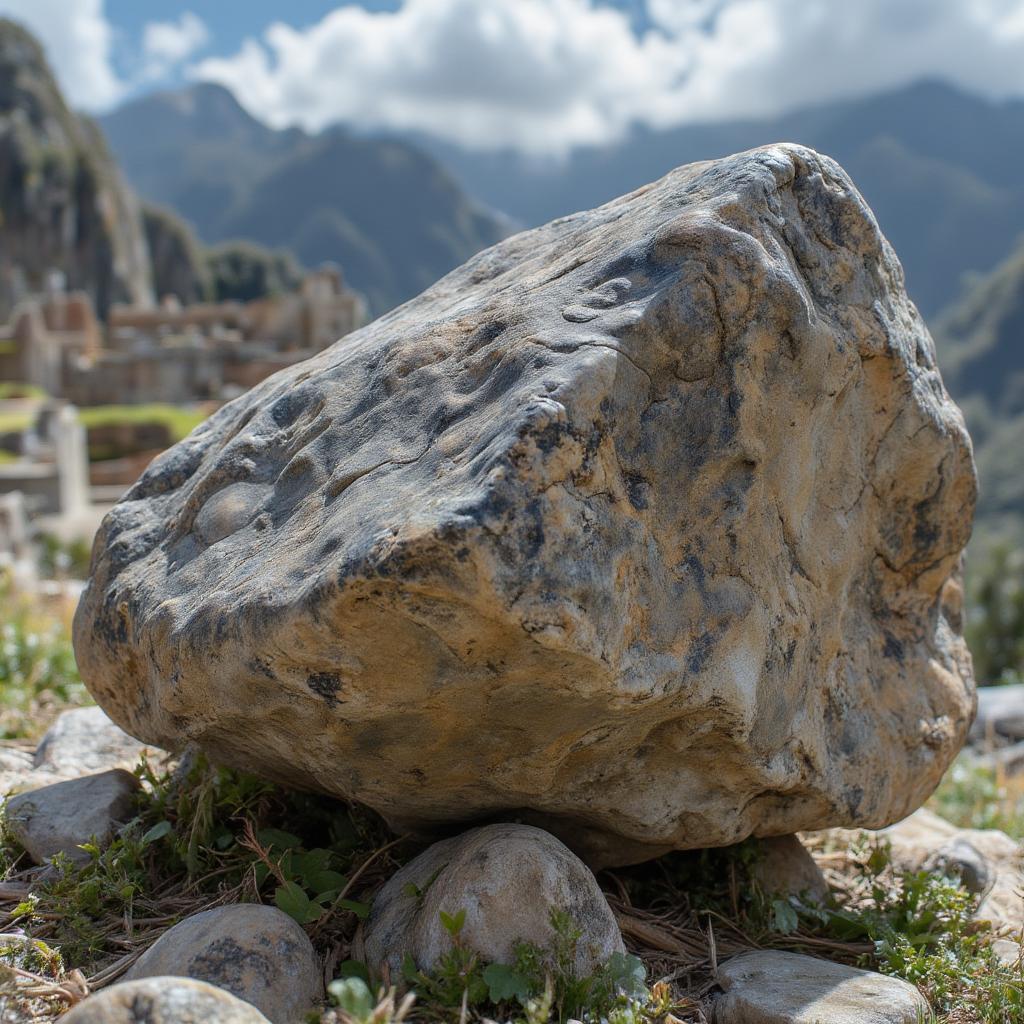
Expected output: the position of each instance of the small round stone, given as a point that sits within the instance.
(254, 952)
(507, 879)
(164, 1000)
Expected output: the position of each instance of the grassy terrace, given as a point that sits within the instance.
(180, 420)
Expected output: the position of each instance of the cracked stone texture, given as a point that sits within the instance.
(508, 879)
(643, 526)
(256, 953)
(163, 1001)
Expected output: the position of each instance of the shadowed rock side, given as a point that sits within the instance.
(642, 526)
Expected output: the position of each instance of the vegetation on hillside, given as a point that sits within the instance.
(177, 258)
(243, 271)
(58, 173)
(995, 615)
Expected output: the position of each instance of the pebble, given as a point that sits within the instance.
(163, 1001)
(256, 953)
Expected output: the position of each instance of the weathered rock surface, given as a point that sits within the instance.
(60, 817)
(163, 1001)
(785, 868)
(769, 987)
(256, 953)
(643, 525)
(15, 765)
(508, 879)
(85, 740)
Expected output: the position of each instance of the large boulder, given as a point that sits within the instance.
(643, 526)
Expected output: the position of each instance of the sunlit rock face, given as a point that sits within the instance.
(643, 526)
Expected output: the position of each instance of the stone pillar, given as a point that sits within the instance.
(72, 460)
(14, 539)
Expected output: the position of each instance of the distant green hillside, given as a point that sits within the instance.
(981, 346)
(389, 214)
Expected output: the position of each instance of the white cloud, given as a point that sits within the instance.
(78, 41)
(165, 44)
(79, 44)
(545, 75)
(756, 57)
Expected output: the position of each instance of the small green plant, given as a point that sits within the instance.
(308, 884)
(38, 674)
(353, 1003)
(195, 833)
(922, 928)
(973, 796)
(541, 984)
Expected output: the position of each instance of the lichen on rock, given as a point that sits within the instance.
(642, 526)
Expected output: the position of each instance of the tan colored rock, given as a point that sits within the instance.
(785, 868)
(507, 879)
(643, 526)
(256, 953)
(771, 987)
(60, 817)
(163, 1001)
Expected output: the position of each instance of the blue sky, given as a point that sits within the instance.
(541, 76)
(229, 21)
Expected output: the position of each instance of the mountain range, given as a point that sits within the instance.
(981, 346)
(388, 212)
(939, 167)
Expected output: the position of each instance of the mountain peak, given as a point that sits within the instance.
(204, 98)
(203, 110)
(26, 81)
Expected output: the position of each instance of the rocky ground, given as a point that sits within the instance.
(125, 869)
